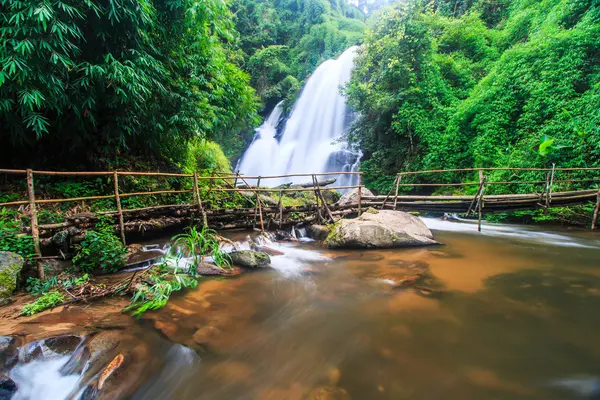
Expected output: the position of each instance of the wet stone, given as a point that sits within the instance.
(8, 387)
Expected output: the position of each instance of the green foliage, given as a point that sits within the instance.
(198, 244)
(284, 40)
(205, 155)
(11, 239)
(36, 286)
(453, 85)
(44, 302)
(100, 251)
(112, 77)
(154, 293)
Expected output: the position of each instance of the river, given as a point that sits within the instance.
(509, 314)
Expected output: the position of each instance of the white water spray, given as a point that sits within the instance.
(311, 141)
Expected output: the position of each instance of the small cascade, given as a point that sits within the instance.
(312, 140)
(41, 379)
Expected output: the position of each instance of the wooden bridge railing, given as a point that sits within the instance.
(545, 198)
(232, 181)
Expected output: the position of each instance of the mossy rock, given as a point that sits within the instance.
(10, 268)
(250, 259)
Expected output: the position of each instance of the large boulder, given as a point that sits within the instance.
(351, 196)
(250, 259)
(380, 229)
(10, 268)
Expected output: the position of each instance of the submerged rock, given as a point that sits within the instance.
(207, 269)
(11, 265)
(380, 229)
(266, 249)
(8, 387)
(250, 259)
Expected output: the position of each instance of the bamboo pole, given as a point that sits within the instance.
(549, 191)
(359, 195)
(119, 209)
(319, 216)
(280, 209)
(480, 202)
(395, 183)
(397, 187)
(320, 192)
(256, 206)
(199, 201)
(595, 217)
(34, 224)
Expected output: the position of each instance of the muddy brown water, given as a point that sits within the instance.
(503, 316)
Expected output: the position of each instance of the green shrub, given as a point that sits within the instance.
(46, 301)
(100, 251)
(156, 289)
(11, 239)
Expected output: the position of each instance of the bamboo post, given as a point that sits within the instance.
(359, 194)
(318, 191)
(199, 201)
(119, 209)
(549, 190)
(397, 187)
(34, 224)
(476, 194)
(319, 216)
(595, 218)
(257, 205)
(389, 192)
(280, 209)
(480, 202)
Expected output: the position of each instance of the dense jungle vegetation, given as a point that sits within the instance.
(96, 83)
(478, 83)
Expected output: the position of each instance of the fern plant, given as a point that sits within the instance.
(199, 244)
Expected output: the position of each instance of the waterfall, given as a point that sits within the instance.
(311, 141)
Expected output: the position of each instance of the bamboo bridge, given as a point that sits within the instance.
(423, 191)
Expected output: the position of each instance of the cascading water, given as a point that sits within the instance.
(312, 138)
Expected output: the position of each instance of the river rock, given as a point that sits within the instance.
(250, 259)
(351, 196)
(8, 387)
(266, 249)
(11, 265)
(380, 229)
(318, 232)
(9, 352)
(207, 269)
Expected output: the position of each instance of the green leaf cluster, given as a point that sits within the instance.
(135, 77)
(453, 84)
(44, 302)
(100, 251)
(284, 40)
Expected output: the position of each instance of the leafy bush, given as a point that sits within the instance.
(198, 244)
(158, 286)
(100, 250)
(46, 301)
(12, 240)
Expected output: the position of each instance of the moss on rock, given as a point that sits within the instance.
(10, 268)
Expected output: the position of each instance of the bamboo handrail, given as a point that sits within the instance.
(497, 169)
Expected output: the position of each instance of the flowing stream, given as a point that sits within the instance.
(508, 314)
(311, 140)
